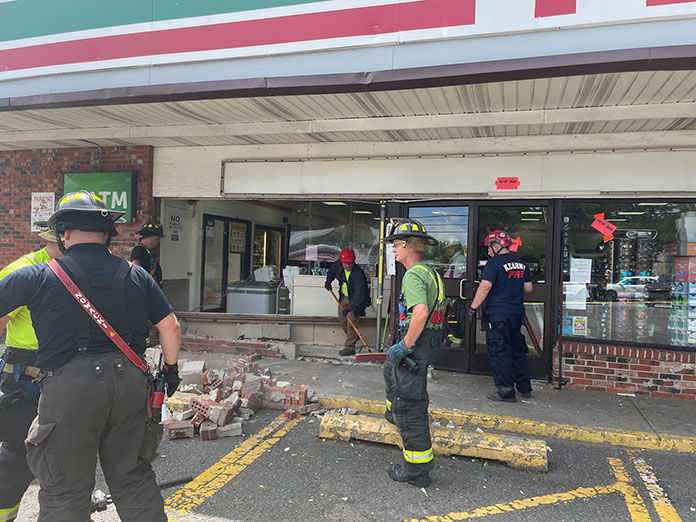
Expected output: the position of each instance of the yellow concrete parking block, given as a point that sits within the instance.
(515, 451)
(180, 401)
(592, 434)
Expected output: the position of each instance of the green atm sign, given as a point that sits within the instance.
(116, 189)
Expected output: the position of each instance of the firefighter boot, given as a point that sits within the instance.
(398, 474)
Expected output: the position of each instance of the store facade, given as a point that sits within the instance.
(569, 124)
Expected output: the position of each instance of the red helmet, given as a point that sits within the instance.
(347, 256)
(498, 236)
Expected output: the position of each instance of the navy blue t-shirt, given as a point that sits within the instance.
(54, 310)
(508, 275)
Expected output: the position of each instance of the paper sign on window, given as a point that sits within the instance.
(604, 227)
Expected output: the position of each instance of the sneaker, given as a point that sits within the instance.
(526, 395)
(346, 352)
(496, 397)
(398, 474)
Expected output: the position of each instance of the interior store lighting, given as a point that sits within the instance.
(333, 203)
(362, 212)
(529, 219)
(631, 213)
(650, 204)
(532, 212)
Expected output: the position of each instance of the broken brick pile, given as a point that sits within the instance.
(215, 403)
(207, 343)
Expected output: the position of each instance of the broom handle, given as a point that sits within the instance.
(350, 321)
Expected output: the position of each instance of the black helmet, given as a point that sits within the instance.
(404, 228)
(83, 210)
(150, 229)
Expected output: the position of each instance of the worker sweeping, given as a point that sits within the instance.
(353, 296)
(421, 315)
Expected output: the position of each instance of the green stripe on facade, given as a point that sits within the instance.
(32, 18)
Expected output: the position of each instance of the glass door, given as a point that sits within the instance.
(268, 245)
(532, 224)
(225, 259)
(450, 226)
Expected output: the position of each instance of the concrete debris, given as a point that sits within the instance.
(215, 403)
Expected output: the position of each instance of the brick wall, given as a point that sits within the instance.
(207, 343)
(643, 371)
(25, 171)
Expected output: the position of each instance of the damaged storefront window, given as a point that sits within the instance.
(629, 272)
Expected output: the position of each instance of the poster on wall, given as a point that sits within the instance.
(238, 237)
(580, 326)
(42, 205)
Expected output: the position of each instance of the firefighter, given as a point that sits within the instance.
(504, 281)
(145, 253)
(19, 397)
(93, 400)
(353, 296)
(421, 315)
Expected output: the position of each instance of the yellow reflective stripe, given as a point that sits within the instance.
(418, 457)
(9, 513)
(440, 286)
(388, 404)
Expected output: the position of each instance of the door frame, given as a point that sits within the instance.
(451, 358)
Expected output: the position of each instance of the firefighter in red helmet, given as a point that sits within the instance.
(504, 281)
(353, 295)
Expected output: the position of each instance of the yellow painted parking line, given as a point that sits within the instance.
(623, 486)
(595, 435)
(216, 476)
(659, 498)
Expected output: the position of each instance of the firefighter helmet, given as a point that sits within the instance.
(150, 229)
(347, 256)
(498, 236)
(83, 210)
(405, 228)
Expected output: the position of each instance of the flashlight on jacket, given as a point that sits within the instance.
(410, 364)
(158, 387)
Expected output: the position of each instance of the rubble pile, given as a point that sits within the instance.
(216, 403)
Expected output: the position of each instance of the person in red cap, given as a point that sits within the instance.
(353, 296)
(504, 281)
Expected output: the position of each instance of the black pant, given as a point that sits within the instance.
(95, 405)
(17, 410)
(507, 354)
(407, 403)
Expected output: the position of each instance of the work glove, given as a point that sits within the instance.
(346, 310)
(397, 352)
(327, 285)
(171, 377)
(471, 313)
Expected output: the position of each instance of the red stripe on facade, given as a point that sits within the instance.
(545, 8)
(365, 21)
(650, 3)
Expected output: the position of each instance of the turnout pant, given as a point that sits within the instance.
(507, 354)
(407, 403)
(17, 410)
(351, 336)
(95, 405)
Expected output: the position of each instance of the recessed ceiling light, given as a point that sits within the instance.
(612, 220)
(362, 212)
(631, 213)
(650, 204)
(529, 219)
(532, 212)
(334, 203)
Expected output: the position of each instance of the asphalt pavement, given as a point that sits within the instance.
(290, 474)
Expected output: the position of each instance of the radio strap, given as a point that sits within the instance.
(94, 314)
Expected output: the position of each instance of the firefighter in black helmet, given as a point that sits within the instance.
(93, 400)
(146, 252)
(421, 314)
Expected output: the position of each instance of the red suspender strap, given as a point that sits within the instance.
(95, 315)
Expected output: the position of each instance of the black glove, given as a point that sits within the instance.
(471, 313)
(346, 310)
(171, 376)
(327, 285)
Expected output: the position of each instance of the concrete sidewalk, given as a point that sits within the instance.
(467, 393)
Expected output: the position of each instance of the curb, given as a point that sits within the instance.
(528, 454)
(591, 434)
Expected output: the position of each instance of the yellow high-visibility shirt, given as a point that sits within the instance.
(20, 332)
(344, 286)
